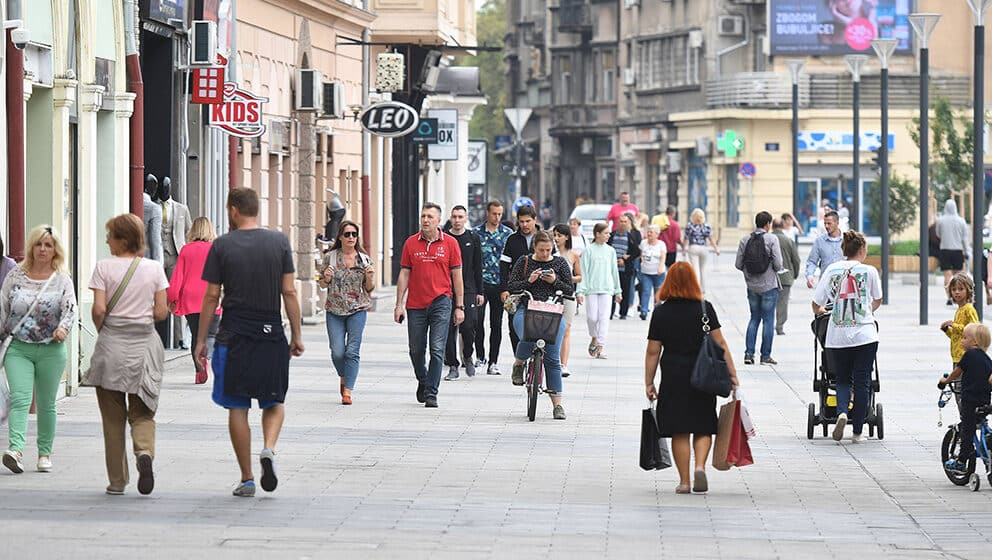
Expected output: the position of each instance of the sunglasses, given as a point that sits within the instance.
(349, 234)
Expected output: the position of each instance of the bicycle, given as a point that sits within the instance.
(542, 320)
(951, 445)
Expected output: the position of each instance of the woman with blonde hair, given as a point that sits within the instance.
(37, 312)
(126, 367)
(695, 236)
(186, 288)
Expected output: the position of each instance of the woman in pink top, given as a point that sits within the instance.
(186, 287)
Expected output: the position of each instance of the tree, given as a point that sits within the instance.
(951, 163)
(904, 196)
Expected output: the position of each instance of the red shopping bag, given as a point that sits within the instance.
(738, 452)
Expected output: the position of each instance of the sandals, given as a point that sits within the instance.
(699, 483)
(600, 355)
(592, 347)
(682, 489)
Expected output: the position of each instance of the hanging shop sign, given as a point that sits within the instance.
(390, 119)
(240, 114)
(446, 147)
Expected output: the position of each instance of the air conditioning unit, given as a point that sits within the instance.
(730, 26)
(203, 37)
(695, 39)
(308, 90)
(629, 76)
(586, 147)
(333, 102)
(278, 137)
(673, 162)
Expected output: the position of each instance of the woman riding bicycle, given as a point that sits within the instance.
(542, 274)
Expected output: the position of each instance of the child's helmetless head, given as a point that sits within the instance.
(977, 335)
(961, 281)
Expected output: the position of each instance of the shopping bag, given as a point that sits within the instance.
(723, 432)
(746, 418)
(739, 452)
(654, 449)
(4, 388)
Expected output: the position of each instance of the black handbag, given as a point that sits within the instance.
(654, 449)
(710, 374)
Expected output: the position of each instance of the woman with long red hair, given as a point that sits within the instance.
(684, 413)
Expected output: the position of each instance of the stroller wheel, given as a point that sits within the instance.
(974, 482)
(826, 428)
(879, 421)
(811, 421)
(871, 430)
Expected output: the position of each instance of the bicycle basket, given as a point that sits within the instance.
(541, 321)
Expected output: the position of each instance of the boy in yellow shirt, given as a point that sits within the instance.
(962, 292)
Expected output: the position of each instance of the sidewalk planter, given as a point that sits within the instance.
(902, 263)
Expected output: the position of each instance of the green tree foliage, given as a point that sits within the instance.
(951, 162)
(488, 120)
(904, 196)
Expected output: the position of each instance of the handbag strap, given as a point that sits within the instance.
(34, 304)
(706, 318)
(120, 288)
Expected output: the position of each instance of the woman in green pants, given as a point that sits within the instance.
(37, 309)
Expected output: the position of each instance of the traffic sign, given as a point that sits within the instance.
(446, 147)
(426, 132)
(521, 202)
(502, 142)
(518, 118)
(748, 170)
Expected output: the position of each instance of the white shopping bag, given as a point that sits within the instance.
(745, 417)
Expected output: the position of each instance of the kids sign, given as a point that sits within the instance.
(240, 114)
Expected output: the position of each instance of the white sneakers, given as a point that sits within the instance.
(858, 438)
(44, 464)
(13, 460)
(839, 427)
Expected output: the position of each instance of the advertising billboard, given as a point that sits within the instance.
(837, 27)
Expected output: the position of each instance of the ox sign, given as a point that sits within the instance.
(240, 114)
(390, 119)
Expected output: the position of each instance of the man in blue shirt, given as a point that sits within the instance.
(493, 235)
(826, 248)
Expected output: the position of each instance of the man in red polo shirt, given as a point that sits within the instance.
(431, 267)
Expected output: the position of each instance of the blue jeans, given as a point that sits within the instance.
(762, 312)
(852, 370)
(552, 352)
(429, 325)
(650, 283)
(344, 333)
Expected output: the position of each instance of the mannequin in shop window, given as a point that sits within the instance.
(152, 219)
(335, 213)
(176, 222)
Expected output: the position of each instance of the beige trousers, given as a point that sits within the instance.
(115, 412)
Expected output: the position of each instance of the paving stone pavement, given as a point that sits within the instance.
(387, 478)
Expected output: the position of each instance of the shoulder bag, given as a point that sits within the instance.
(120, 288)
(710, 374)
(4, 388)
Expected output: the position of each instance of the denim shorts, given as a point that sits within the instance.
(225, 400)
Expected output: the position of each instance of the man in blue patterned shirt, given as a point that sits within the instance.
(493, 235)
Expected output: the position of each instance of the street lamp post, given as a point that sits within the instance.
(856, 63)
(923, 25)
(884, 49)
(795, 70)
(978, 9)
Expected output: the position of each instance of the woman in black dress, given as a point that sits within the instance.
(676, 326)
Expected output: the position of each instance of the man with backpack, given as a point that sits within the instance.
(759, 257)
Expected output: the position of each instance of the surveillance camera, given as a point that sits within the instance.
(20, 37)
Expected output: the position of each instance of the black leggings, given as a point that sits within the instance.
(194, 328)
(467, 331)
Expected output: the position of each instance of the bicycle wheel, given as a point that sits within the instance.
(533, 386)
(949, 449)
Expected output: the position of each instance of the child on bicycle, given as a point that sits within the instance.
(975, 370)
(962, 292)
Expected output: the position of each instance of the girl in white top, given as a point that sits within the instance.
(564, 243)
(578, 240)
(652, 274)
(852, 337)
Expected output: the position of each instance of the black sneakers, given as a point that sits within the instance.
(430, 402)
(748, 360)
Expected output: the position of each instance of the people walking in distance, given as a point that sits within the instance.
(622, 206)
(254, 267)
(579, 241)
(492, 238)
(37, 310)
(955, 246)
(7, 264)
(186, 288)
(599, 288)
(563, 242)
(471, 250)
(432, 274)
(671, 236)
(962, 291)
(652, 274)
(675, 336)
(626, 241)
(543, 275)
(517, 245)
(787, 276)
(791, 228)
(975, 370)
(759, 257)
(826, 248)
(852, 338)
(176, 224)
(695, 236)
(128, 359)
(152, 220)
(348, 275)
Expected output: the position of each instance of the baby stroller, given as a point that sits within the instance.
(824, 384)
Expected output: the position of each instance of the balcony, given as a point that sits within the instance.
(580, 119)
(760, 90)
(574, 17)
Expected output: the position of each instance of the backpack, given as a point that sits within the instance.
(757, 257)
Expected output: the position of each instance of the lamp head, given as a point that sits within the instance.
(978, 9)
(923, 25)
(796, 68)
(884, 49)
(856, 63)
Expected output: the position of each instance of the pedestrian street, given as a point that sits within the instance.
(387, 478)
